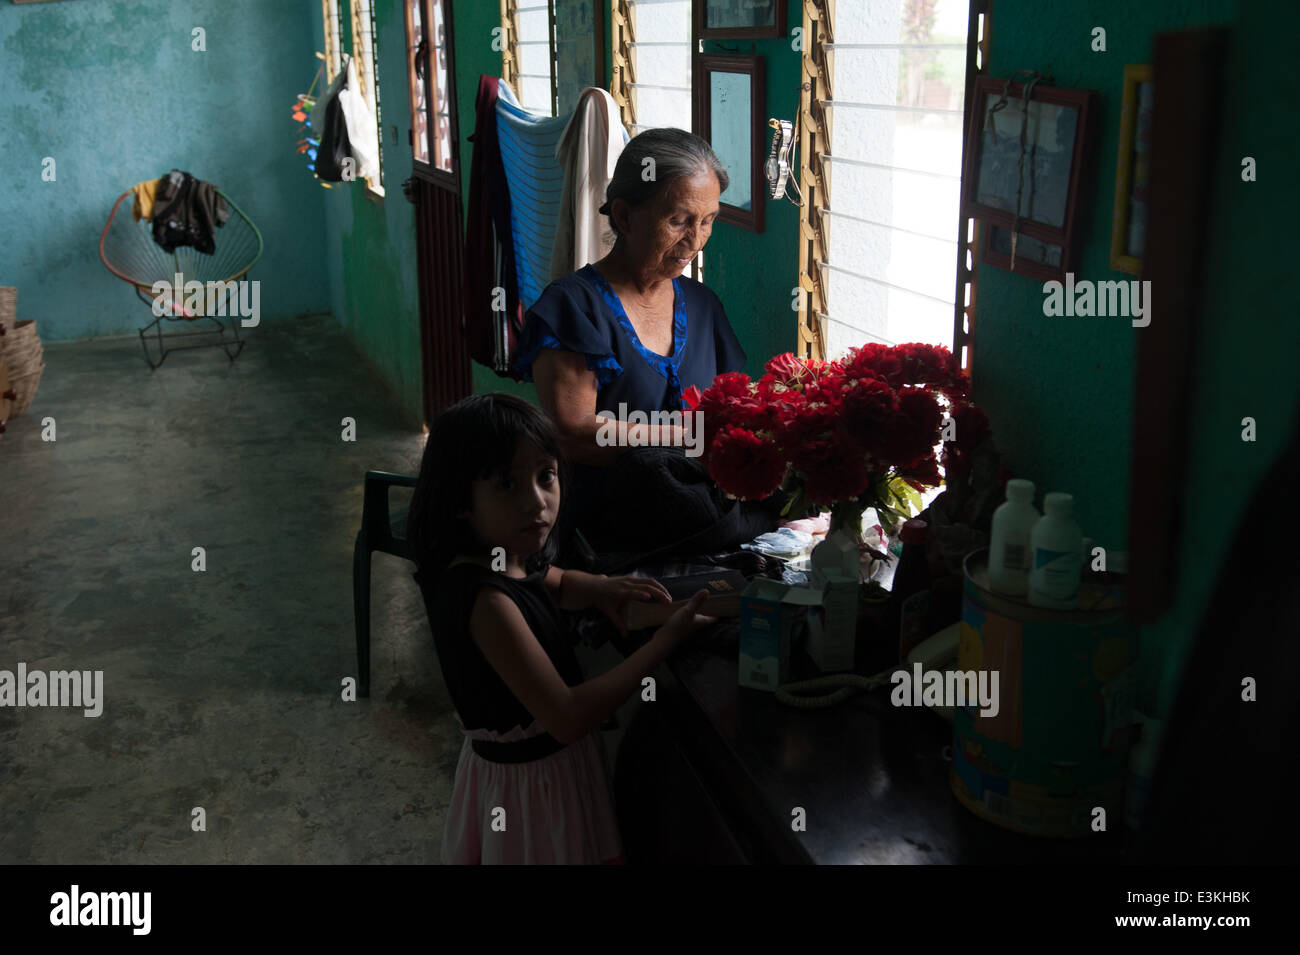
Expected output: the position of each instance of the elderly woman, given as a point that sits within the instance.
(630, 329)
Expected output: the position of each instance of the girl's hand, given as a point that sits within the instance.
(611, 595)
(687, 620)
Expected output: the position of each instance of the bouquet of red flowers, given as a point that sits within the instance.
(842, 435)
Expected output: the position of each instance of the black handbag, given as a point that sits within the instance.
(334, 143)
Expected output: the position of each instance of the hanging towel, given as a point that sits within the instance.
(536, 182)
(363, 134)
(588, 151)
(490, 335)
(142, 207)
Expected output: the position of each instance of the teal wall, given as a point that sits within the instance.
(1059, 390)
(113, 92)
(370, 242)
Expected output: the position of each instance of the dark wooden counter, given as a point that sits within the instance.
(872, 778)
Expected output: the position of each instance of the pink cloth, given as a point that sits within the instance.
(558, 810)
(810, 525)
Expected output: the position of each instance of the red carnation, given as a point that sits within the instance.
(927, 364)
(868, 403)
(745, 465)
(972, 429)
(912, 431)
(922, 474)
(691, 397)
(789, 369)
(875, 361)
(832, 470)
(718, 400)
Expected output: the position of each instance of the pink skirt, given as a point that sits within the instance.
(552, 811)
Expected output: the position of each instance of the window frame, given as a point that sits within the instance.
(815, 139)
(448, 179)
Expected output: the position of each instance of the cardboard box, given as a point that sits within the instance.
(772, 615)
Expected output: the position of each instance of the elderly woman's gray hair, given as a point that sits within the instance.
(675, 153)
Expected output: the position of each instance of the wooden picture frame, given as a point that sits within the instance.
(1132, 171)
(1185, 180)
(1059, 133)
(1035, 258)
(727, 19)
(734, 128)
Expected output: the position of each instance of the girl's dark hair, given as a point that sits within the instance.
(474, 438)
(675, 152)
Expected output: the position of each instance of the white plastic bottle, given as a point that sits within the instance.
(1056, 546)
(1009, 544)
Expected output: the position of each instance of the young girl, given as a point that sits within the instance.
(530, 784)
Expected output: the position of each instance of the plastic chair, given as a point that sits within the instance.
(127, 249)
(382, 529)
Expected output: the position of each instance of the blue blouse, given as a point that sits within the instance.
(581, 313)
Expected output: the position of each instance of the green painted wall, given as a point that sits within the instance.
(1249, 344)
(1059, 390)
(371, 255)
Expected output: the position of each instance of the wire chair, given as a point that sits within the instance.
(128, 250)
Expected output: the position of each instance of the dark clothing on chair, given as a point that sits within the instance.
(187, 211)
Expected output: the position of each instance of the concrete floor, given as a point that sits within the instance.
(222, 689)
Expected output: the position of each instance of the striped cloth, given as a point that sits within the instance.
(536, 180)
(528, 143)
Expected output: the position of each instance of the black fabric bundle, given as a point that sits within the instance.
(334, 143)
(187, 211)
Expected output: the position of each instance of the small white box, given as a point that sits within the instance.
(771, 614)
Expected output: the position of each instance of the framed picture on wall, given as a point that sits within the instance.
(1024, 172)
(728, 109)
(728, 19)
(1034, 257)
(1128, 227)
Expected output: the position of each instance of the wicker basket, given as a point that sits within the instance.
(24, 387)
(20, 345)
(8, 305)
(5, 403)
(22, 351)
